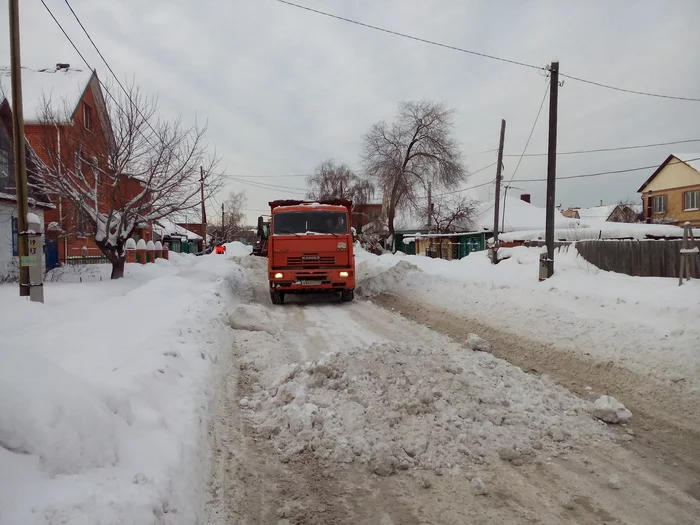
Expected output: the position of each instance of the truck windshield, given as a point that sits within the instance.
(291, 222)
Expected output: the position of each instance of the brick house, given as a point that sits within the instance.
(363, 214)
(671, 195)
(67, 124)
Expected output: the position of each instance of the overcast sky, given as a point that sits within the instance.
(284, 89)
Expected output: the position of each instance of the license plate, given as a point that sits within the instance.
(310, 283)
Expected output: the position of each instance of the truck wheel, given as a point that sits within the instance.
(347, 295)
(277, 297)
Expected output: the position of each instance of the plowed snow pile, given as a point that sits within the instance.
(399, 406)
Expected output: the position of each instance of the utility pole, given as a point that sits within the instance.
(223, 224)
(204, 210)
(19, 152)
(498, 187)
(552, 165)
(430, 206)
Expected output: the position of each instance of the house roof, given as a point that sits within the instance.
(598, 213)
(690, 159)
(601, 230)
(167, 228)
(519, 215)
(61, 88)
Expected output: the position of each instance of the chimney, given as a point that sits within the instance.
(525, 197)
(601, 202)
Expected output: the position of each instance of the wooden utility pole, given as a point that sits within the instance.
(223, 224)
(552, 164)
(18, 145)
(430, 206)
(204, 209)
(498, 187)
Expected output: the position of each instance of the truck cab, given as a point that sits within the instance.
(310, 249)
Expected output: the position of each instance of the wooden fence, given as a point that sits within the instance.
(640, 258)
(647, 258)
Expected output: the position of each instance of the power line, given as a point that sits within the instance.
(484, 55)
(599, 150)
(404, 35)
(471, 187)
(632, 91)
(532, 130)
(268, 186)
(606, 172)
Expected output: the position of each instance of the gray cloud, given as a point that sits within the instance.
(283, 89)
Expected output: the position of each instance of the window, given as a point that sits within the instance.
(659, 203)
(330, 222)
(690, 200)
(4, 165)
(87, 116)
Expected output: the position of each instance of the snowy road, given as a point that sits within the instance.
(332, 413)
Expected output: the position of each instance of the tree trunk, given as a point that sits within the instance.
(113, 255)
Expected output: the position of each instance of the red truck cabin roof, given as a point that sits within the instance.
(325, 205)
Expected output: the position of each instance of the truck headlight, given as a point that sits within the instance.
(278, 276)
(343, 274)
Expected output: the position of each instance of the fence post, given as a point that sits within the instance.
(141, 251)
(166, 252)
(130, 250)
(150, 252)
(159, 250)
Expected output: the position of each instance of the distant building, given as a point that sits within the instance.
(671, 195)
(363, 214)
(605, 212)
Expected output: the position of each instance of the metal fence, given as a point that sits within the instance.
(86, 259)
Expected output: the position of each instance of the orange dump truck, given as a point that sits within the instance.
(310, 249)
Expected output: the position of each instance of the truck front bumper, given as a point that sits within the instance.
(310, 281)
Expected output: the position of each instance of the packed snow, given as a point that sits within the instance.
(103, 410)
(398, 406)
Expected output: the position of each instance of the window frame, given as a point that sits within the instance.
(687, 194)
(4, 162)
(655, 199)
(87, 116)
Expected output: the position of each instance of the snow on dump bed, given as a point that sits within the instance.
(395, 406)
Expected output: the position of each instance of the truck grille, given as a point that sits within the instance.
(310, 261)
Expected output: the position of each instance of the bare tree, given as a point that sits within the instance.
(234, 215)
(125, 169)
(416, 149)
(338, 181)
(451, 215)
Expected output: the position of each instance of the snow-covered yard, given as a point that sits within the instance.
(103, 392)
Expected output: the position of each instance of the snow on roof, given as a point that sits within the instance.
(686, 157)
(599, 213)
(167, 228)
(63, 88)
(579, 231)
(519, 216)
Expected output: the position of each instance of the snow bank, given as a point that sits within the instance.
(647, 325)
(395, 406)
(103, 411)
(53, 415)
(238, 249)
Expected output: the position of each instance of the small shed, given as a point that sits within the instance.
(176, 238)
(444, 245)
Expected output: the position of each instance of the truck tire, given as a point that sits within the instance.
(347, 295)
(277, 297)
